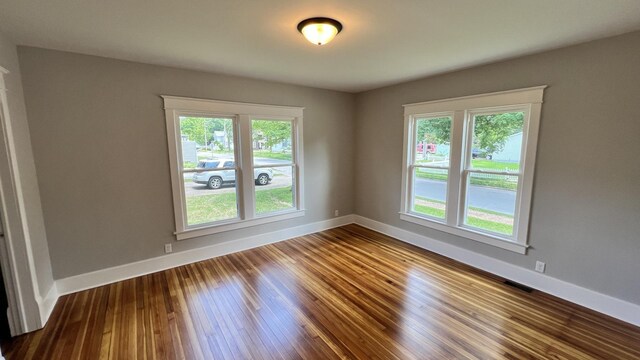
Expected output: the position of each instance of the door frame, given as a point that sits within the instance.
(18, 270)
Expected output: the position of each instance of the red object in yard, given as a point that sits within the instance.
(431, 148)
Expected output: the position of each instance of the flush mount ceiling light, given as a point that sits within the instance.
(319, 30)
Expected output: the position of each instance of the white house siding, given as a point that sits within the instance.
(511, 150)
(189, 151)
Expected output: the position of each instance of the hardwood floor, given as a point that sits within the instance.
(343, 293)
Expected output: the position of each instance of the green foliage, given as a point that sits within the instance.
(434, 131)
(271, 132)
(490, 131)
(194, 128)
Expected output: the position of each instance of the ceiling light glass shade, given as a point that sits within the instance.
(319, 31)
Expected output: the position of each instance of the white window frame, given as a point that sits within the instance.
(462, 110)
(242, 115)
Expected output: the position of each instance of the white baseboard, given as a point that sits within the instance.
(117, 273)
(47, 304)
(619, 309)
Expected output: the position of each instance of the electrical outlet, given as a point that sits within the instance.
(540, 266)
(167, 248)
(336, 212)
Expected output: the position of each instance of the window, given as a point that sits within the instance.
(233, 165)
(469, 165)
(430, 165)
(272, 158)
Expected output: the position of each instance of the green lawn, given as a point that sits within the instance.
(271, 200)
(272, 155)
(427, 210)
(490, 225)
(472, 221)
(494, 165)
(208, 208)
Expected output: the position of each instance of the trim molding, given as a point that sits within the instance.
(127, 271)
(614, 307)
(47, 303)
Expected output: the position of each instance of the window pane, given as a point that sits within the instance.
(274, 189)
(497, 141)
(491, 202)
(210, 196)
(433, 136)
(271, 142)
(205, 138)
(430, 192)
(207, 144)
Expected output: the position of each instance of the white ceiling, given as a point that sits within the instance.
(383, 41)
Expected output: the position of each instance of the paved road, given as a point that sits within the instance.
(479, 196)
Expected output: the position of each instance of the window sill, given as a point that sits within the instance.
(467, 233)
(236, 224)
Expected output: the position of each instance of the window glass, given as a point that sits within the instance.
(272, 159)
(430, 192)
(491, 202)
(497, 141)
(207, 201)
(274, 189)
(433, 137)
(210, 193)
(271, 142)
(431, 162)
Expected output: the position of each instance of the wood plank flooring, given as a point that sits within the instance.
(345, 293)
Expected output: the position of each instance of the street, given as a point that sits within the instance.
(479, 196)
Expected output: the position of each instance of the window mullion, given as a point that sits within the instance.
(455, 167)
(298, 160)
(407, 165)
(245, 158)
(490, 172)
(421, 166)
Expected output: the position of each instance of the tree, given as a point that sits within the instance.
(271, 132)
(195, 128)
(490, 131)
(434, 131)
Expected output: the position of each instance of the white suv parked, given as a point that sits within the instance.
(216, 177)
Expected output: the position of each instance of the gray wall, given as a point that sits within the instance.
(585, 221)
(34, 228)
(100, 147)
